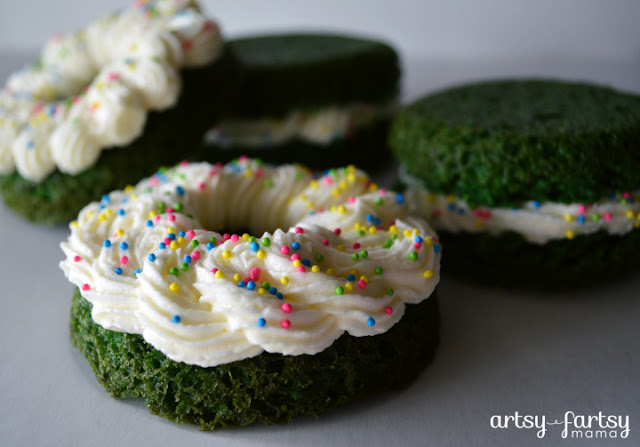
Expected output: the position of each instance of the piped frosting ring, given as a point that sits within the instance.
(93, 89)
(338, 255)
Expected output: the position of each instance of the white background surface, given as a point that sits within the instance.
(501, 351)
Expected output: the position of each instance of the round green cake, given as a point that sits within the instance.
(268, 388)
(307, 73)
(501, 150)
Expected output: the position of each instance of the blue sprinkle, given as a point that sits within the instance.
(149, 223)
(351, 277)
(279, 296)
(241, 284)
(295, 246)
(124, 246)
(210, 245)
(181, 234)
(137, 271)
(120, 212)
(105, 198)
(312, 213)
(436, 248)
(371, 321)
(102, 206)
(251, 285)
(162, 246)
(51, 110)
(106, 243)
(581, 219)
(255, 246)
(30, 145)
(187, 259)
(536, 204)
(377, 221)
(461, 211)
(176, 319)
(118, 270)
(369, 217)
(452, 206)
(273, 290)
(399, 198)
(306, 263)
(612, 196)
(262, 322)
(171, 236)
(180, 190)
(419, 239)
(151, 257)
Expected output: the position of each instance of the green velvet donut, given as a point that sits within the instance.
(268, 388)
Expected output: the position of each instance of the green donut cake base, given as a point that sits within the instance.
(367, 149)
(169, 136)
(502, 143)
(508, 260)
(307, 71)
(268, 388)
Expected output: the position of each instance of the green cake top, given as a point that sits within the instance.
(499, 143)
(286, 71)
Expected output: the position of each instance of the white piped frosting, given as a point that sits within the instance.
(536, 222)
(339, 256)
(321, 126)
(93, 89)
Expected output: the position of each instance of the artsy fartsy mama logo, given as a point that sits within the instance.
(573, 425)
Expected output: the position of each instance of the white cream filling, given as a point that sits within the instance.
(93, 89)
(148, 268)
(322, 126)
(536, 222)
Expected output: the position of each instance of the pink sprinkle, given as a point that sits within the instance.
(201, 185)
(37, 108)
(383, 192)
(170, 210)
(352, 199)
(195, 255)
(191, 234)
(417, 245)
(328, 180)
(172, 218)
(582, 209)
(155, 181)
(625, 195)
(124, 260)
(214, 270)
(157, 219)
(485, 214)
(243, 159)
(286, 308)
(294, 257)
(167, 241)
(77, 259)
(477, 212)
(184, 163)
(113, 76)
(325, 242)
(85, 287)
(284, 250)
(226, 236)
(362, 284)
(301, 269)
(286, 324)
(356, 245)
(255, 273)
(437, 212)
(258, 173)
(607, 216)
(208, 26)
(212, 172)
(235, 238)
(337, 231)
(388, 310)
(299, 230)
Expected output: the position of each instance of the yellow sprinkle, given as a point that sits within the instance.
(351, 178)
(297, 263)
(333, 208)
(237, 277)
(427, 273)
(261, 254)
(451, 198)
(174, 245)
(174, 287)
(373, 230)
(630, 214)
(303, 196)
(74, 223)
(351, 169)
(393, 229)
(89, 213)
(245, 237)
(120, 232)
(310, 205)
(102, 217)
(373, 187)
(315, 269)
(354, 272)
(152, 214)
(331, 272)
(570, 234)
(284, 280)
(568, 217)
(431, 197)
(171, 230)
(248, 173)
(133, 47)
(134, 196)
(407, 233)
(335, 192)
(479, 223)
(219, 274)
(340, 247)
(427, 241)
(416, 232)
(342, 184)
(357, 226)
(364, 278)
(128, 189)
(100, 85)
(181, 240)
(342, 209)
(109, 212)
(348, 287)
(262, 291)
(313, 184)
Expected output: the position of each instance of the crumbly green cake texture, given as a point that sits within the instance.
(268, 388)
(504, 142)
(169, 136)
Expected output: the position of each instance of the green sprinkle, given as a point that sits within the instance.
(379, 270)
(213, 240)
(362, 232)
(252, 239)
(339, 290)
(355, 256)
(266, 241)
(390, 292)
(174, 271)
(595, 217)
(319, 258)
(266, 285)
(388, 244)
(178, 206)
(394, 237)
(194, 243)
(379, 201)
(268, 183)
(413, 255)
(298, 175)
(184, 266)
(364, 253)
